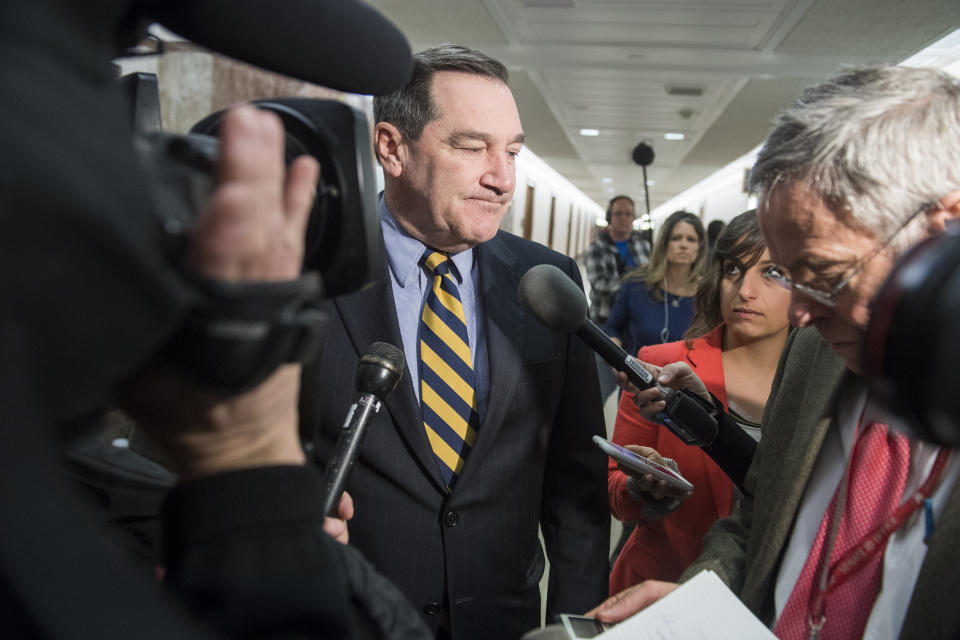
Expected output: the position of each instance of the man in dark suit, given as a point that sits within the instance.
(458, 531)
(860, 169)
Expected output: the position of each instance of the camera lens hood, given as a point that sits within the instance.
(912, 344)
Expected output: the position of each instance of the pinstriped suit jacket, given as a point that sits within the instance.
(746, 548)
(533, 462)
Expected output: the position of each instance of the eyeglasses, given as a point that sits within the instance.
(829, 298)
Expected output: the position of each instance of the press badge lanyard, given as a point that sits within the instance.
(872, 543)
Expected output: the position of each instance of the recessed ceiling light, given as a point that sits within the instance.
(607, 180)
(650, 183)
(692, 92)
(549, 4)
(590, 132)
(671, 136)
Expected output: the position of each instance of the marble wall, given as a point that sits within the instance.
(194, 83)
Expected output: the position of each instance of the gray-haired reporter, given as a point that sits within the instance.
(91, 293)
(861, 168)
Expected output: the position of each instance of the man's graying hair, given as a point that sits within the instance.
(875, 143)
(412, 107)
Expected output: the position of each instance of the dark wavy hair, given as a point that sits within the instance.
(740, 240)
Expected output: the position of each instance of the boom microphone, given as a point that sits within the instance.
(378, 373)
(559, 304)
(340, 44)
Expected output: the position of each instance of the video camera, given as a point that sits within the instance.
(913, 346)
(239, 333)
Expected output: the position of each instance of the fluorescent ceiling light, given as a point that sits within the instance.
(607, 180)
(590, 132)
(673, 136)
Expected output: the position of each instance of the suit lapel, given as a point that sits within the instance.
(503, 327)
(932, 612)
(808, 415)
(370, 315)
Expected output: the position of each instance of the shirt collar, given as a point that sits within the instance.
(404, 251)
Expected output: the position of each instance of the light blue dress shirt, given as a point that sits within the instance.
(411, 284)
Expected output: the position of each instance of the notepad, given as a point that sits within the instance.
(701, 608)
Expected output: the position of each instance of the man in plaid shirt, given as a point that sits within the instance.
(615, 251)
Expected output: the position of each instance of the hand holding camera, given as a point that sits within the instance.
(252, 230)
(254, 224)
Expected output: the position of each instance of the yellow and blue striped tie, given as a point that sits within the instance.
(448, 397)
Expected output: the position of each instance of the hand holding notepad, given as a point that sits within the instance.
(703, 607)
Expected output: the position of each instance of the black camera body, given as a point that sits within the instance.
(239, 333)
(343, 239)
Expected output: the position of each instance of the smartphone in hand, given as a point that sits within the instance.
(642, 465)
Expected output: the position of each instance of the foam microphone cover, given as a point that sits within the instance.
(340, 44)
(642, 154)
(553, 298)
(379, 370)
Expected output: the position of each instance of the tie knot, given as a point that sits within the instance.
(437, 262)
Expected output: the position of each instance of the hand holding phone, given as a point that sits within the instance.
(643, 465)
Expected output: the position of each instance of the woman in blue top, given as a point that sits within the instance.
(655, 303)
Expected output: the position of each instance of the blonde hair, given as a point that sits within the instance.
(654, 273)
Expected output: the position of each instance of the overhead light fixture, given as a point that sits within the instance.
(607, 180)
(592, 133)
(650, 183)
(549, 4)
(692, 92)
(672, 136)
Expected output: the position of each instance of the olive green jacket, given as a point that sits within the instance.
(745, 549)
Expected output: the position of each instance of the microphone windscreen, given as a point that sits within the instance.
(642, 154)
(553, 298)
(380, 369)
(340, 44)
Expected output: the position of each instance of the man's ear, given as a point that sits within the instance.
(390, 147)
(948, 210)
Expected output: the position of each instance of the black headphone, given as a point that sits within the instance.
(614, 199)
(912, 345)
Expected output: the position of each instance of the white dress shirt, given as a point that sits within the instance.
(905, 549)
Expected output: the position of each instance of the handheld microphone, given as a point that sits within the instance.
(378, 373)
(559, 304)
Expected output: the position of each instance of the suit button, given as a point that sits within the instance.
(451, 519)
(432, 608)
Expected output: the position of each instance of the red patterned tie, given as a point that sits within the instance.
(878, 474)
